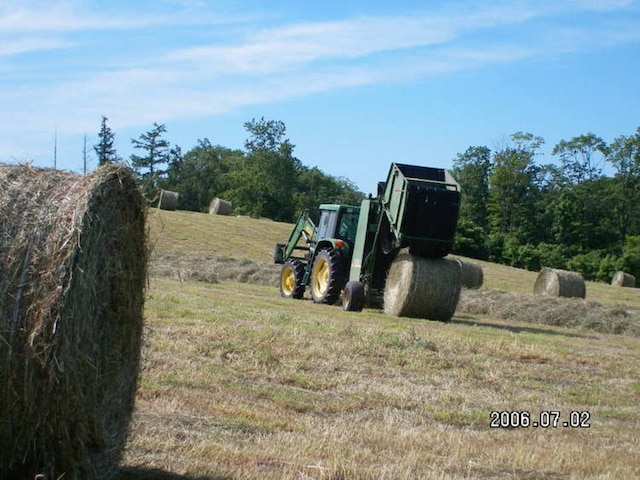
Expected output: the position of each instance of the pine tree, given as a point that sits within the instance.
(157, 153)
(105, 150)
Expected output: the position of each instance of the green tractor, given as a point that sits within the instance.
(351, 249)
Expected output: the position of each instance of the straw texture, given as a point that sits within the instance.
(168, 200)
(560, 283)
(422, 288)
(73, 257)
(219, 206)
(472, 276)
(623, 279)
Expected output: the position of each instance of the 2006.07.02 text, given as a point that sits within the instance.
(544, 419)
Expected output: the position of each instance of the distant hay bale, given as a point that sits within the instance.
(623, 279)
(73, 259)
(422, 288)
(560, 283)
(168, 200)
(219, 206)
(471, 275)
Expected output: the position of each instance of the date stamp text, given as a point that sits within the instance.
(543, 419)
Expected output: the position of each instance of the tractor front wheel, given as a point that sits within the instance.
(327, 277)
(291, 279)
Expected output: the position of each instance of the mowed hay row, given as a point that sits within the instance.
(73, 259)
(560, 283)
(168, 200)
(422, 288)
(219, 206)
(623, 279)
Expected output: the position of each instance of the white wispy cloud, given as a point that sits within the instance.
(256, 65)
(26, 45)
(289, 46)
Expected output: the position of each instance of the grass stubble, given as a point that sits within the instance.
(239, 383)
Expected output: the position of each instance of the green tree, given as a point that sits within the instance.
(265, 184)
(581, 159)
(624, 154)
(105, 149)
(471, 169)
(267, 136)
(513, 187)
(314, 187)
(201, 174)
(630, 261)
(156, 154)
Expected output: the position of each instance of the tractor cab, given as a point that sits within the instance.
(339, 222)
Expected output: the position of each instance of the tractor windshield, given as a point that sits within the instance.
(339, 223)
(348, 226)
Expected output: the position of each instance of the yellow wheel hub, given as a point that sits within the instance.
(288, 281)
(321, 276)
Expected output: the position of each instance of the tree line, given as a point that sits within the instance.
(264, 179)
(568, 214)
(515, 210)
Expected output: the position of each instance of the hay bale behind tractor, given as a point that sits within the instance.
(73, 258)
(623, 279)
(560, 283)
(472, 275)
(422, 288)
(168, 200)
(219, 206)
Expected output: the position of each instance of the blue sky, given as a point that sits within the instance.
(359, 84)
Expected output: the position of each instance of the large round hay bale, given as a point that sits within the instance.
(623, 279)
(73, 259)
(472, 276)
(422, 288)
(168, 200)
(560, 283)
(219, 206)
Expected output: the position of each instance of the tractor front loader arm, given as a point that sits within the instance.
(303, 229)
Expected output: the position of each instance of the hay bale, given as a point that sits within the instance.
(422, 288)
(623, 279)
(168, 200)
(219, 206)
(560, 283)
(472, 276)
(73, 258)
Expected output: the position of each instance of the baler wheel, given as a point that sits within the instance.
(353, 297)
(327, 277)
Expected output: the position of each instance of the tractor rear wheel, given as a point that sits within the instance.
(353, 297)
(292, 278)
(327, 277)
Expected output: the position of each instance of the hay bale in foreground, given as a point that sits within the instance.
(73, 258)
(623, 279)
(219, 206)
(168, 200)
(560, 283)
(472, 275)
(422, 288)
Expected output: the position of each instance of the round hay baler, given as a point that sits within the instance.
(389, 251)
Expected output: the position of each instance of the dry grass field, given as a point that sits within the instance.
(238, 383)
